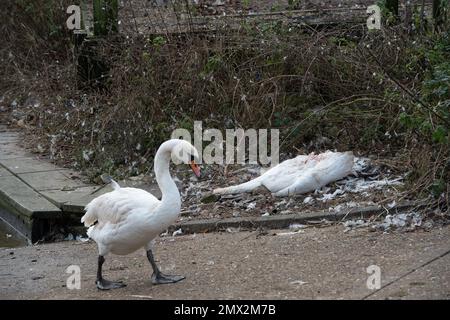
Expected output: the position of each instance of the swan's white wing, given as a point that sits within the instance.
(114, 207)
(300, 174)
(274, 179)
(283, 175)
(328, 167)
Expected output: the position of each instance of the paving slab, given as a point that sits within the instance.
(7, 140)
(51, 180)
(24, 199)
(77, 204)
(8, 135)
(12, 151)
(152, 188)
(4, 172)
(27, 165)
(61, 198)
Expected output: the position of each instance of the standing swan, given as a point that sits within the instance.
(127, 219)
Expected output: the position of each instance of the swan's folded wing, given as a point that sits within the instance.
(328, 167)
(115, 206)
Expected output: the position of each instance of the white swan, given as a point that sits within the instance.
(299, 175)
(127, 219)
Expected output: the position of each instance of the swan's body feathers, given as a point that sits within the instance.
(115, 206)
(126, 220)
(301, 174)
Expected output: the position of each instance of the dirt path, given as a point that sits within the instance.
(317, 263)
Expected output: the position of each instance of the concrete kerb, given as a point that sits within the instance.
(284, 221)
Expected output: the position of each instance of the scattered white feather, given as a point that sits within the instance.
(177, 232)
(308, 200)
(401, 221)
(299, 282)
(297, 226)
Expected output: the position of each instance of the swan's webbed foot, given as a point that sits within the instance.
(161, 278)
(158, 277)
(104, 284)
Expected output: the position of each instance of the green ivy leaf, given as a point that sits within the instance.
(440, 135)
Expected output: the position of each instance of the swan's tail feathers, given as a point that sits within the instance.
(108, 179)
(115, 185)
(244, 187)
(90, 217)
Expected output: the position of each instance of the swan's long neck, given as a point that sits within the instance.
(170, 195)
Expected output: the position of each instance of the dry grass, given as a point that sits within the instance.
(321, 87)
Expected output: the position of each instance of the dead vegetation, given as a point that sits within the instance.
(381, 94)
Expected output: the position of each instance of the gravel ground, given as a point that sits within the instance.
(315, 263)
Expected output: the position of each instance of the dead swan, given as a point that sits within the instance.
(299, 175)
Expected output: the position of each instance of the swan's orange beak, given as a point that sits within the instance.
(195, 168)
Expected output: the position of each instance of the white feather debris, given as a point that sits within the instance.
(357, 185)
(289, 233)
(164, 234)
(361, 183)
(308, 200)
(141, 296)
(349, 205)
(297, 226)
(251, 206)
(392, 204)
(322, 190)
(329, 196)
(232, 230)
(360, 165)
(69, 237)
(354, 224)
(186, 190)
(81, 239)
(282, 203)
(299, 282)
(403, 221)
(87, 154)
(177, 232)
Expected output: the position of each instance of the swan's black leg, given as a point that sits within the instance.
(102, 283)
(158, 277)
